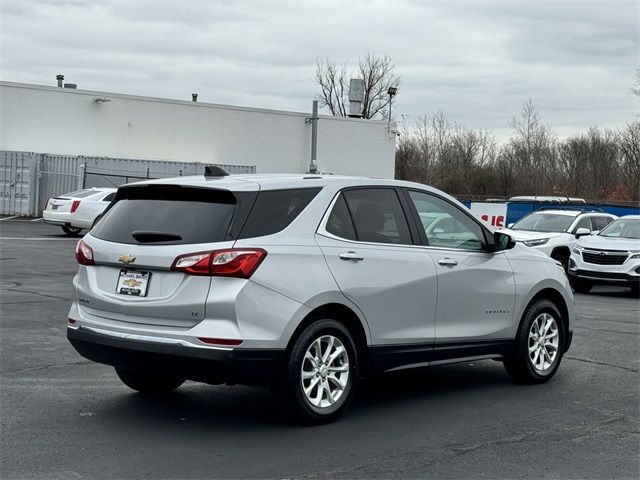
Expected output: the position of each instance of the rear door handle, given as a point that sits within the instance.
(450, 262)
(350, 256)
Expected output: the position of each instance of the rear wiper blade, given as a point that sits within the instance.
(149, 236)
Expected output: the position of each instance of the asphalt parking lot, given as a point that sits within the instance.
(64, 417)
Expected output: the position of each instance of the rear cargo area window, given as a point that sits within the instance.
(274, 210)
(167, 216)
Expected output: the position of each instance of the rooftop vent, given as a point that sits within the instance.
(60, 79)
(194, 97)
(70, 85)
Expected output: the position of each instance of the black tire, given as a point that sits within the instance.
(145, 382)
(73, 231)
(581, 287)
(290, 388)
(563, 258)
(518, 363)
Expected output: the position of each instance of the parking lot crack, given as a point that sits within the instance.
(16, 290)
(603, 364)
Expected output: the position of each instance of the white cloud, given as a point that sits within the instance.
(478, 61)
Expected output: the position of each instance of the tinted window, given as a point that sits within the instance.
(339, 222)
(110, 197)
(377, 216)
(445, 225)
(274, 210)
(182, 215)
(601, 222)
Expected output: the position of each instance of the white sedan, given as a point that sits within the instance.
(76, 211)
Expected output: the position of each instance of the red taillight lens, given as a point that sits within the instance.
(74, 205)
(84, 253)
(232, 262)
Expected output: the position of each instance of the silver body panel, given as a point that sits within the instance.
(400, 294)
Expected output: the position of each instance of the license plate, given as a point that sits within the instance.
(133, 283)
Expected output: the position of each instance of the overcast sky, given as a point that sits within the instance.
(476, 60)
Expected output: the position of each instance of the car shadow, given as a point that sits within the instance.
(204, 407)
(607, 291)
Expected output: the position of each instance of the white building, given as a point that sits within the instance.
(66, 121)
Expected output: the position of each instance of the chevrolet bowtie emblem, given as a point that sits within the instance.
(131, 282)
(127, 259)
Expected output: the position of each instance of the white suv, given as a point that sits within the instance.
(610, 258)
(554, 231)
(306, 284)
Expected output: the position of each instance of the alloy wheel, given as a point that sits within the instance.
(325, 371)
(543, 343)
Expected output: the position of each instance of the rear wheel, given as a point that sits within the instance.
(539, 345)
(320, 374)
(145, 382)
(69, 230)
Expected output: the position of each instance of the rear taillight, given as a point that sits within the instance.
(74, 205)
(84, 253)
(232, 262)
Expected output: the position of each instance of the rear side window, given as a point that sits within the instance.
(339, 222)
(601, 222)
(168, 216)
(274, 210)
(110, 197)
(377, 216)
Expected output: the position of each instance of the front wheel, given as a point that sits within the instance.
(539, 346)
(145, 382)
(321, 373)
(69, 230)
(581, 287)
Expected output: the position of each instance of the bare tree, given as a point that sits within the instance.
(636, 88)
(630, 161)
(378, 74)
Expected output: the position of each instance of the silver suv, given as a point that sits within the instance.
(307, 284)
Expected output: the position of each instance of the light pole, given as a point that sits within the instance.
(392, 91)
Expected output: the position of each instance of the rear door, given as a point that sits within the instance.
(136, 243)
(368, 246)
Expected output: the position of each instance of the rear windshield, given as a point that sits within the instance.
(80, 193)
(171, 216)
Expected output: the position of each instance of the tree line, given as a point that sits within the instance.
(601, 165)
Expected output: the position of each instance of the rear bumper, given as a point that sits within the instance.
(208, 365)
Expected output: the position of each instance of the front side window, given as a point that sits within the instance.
(370, 215)
(445, 225)
(584, 222)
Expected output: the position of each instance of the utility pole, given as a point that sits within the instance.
(313, 165)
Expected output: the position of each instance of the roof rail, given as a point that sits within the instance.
(570, 207)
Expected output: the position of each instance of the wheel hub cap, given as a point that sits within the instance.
(544, 340)
(325, 371)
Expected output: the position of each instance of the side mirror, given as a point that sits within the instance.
(502, 241)
(581, 232)
(510, 225)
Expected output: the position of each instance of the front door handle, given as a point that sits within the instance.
(450, 262)
(350, 256)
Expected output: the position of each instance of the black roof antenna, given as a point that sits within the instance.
(213, 171)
